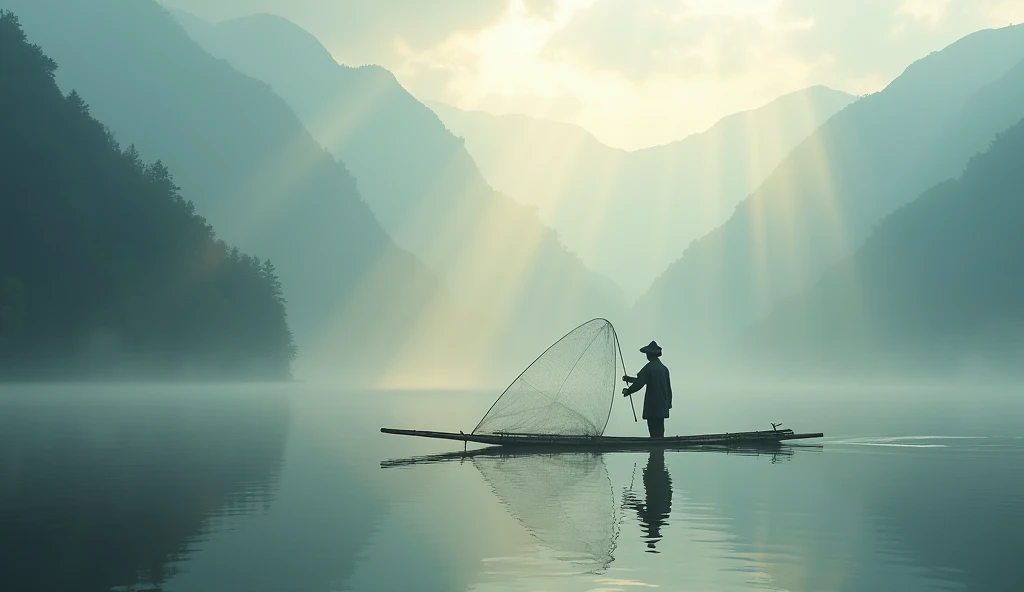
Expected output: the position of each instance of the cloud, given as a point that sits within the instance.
(365, 31)
(633, 39)
(877, 38)
(634, 73)
(930, 12)
(449, 68)
(564, 107)
(679, 38)
(856, 46)
(1002, 13)
(541, 9)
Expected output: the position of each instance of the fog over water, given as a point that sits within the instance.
(291, 488)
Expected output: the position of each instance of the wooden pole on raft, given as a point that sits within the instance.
(631, 403)
(624, 373)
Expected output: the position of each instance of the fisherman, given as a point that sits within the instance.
(658, 397)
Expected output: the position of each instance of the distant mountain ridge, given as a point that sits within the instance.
(602, 199)
(484, 129)
(420, 182)
(823, 199)
(936, 289)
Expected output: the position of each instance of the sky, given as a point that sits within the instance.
(635, 73)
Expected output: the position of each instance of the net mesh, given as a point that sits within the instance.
(568, 390)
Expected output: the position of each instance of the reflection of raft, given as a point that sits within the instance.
(766, 437)
(772, 449)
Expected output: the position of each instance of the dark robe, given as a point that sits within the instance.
(658, 396)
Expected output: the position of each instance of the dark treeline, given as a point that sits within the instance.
(937, 287)
(105, 269)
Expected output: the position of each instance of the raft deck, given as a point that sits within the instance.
(611, 442)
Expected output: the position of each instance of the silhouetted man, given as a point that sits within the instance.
(658, 396)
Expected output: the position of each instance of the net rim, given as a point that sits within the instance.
(615, 337)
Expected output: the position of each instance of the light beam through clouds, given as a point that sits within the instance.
(648, 73)
(633, 73)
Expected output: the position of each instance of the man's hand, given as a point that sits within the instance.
(627, 378)
(625, 392)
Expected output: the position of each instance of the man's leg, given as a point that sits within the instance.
(656, 427)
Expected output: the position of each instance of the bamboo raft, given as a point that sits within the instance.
(607, 443)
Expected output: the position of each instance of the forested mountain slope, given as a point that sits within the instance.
(105, 269)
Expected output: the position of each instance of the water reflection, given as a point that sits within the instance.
(107, 491)
(776, 452)
(654, 510)
(567, 501)
(201, 493)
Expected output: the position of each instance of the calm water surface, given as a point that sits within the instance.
(293, 488)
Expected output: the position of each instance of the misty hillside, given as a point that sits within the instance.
(105, 269)
(937, 287)
(240, 153)
(603, 200)
(823, 199)
(420, 181)
(994, 108)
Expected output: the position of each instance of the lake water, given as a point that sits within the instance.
(293, 488)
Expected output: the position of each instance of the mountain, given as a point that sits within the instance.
(600, 198)
(358, 304)
(823, 199)
(994, 108)
(936, 288)
(421, 183)
(105, 270)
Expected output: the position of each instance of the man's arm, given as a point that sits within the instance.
(638, 383)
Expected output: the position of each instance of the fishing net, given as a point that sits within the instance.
(568, 390)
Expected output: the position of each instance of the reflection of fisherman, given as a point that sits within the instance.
(658, 397)
(654, 513)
